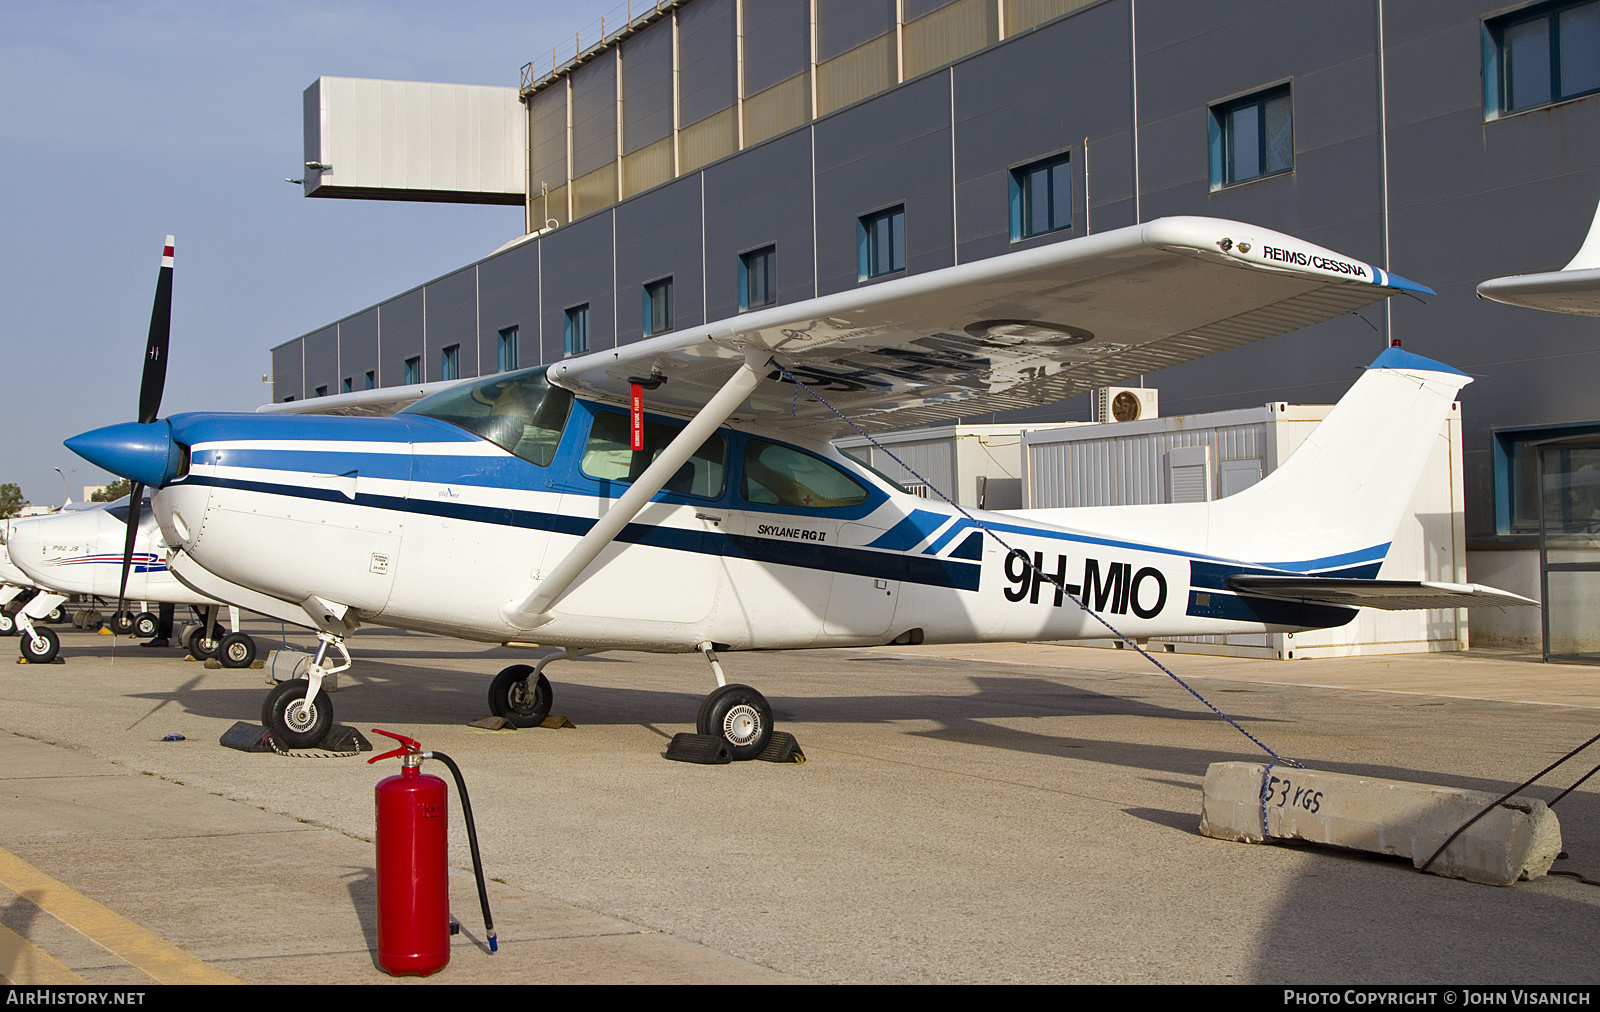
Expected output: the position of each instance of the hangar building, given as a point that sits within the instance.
(704, 157)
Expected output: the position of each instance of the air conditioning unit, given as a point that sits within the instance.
(1125, 404)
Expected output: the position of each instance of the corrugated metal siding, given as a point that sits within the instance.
(934, 459)
(1091, 468)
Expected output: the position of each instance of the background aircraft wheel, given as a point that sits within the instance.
(52, 647)
(8, 625)
(200, 648)
(511, 697)
(741, 716)
(236, 650)
(145, 625)
(290, 721)
(122, 623)
(57, 614)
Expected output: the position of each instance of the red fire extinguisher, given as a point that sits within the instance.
(413, 876)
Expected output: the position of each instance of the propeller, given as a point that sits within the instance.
(150, 389)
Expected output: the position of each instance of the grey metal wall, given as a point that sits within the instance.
(1467, 199)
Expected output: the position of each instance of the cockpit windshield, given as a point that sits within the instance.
(520, 412)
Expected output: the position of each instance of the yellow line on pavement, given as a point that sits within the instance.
(22, 962)
(142, 949)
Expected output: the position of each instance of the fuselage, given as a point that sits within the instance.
(759, 542)
(80, 553)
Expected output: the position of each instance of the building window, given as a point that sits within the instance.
(322, 391)
(1041, 198)
(371, 380)
(758, 278)
(881, 243)
(506, 350)
(1541, 55)
(658, 307)
(345, 386)
(575, 330)
(450, 362)
(1516, 472)
(413, 370)
(1252, 137)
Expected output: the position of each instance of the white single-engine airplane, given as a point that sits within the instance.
(535, 505)
(81, 553)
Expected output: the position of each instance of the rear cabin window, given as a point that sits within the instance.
(609, 457)
(777, 475)
(520, 412)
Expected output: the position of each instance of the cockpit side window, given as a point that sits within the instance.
(776, 475)
(520, 412)
(609, 455)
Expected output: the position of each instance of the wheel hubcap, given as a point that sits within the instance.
(300, 715)
(742, 725)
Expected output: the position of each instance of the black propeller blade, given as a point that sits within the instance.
(150, 389)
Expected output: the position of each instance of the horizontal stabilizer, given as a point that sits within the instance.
(1388, 595)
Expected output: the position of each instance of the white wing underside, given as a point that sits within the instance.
(1014, 331)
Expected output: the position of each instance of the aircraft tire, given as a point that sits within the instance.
(740, 716)
(511, 697)
(200, 648)
(145, 625)
(52, 646)
(286, 718)
(57, 614)
(122, 623)
(8, 625)
(236, 650)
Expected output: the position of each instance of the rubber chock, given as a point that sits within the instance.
(782, 748)
(246, 737)
(341, 738)
(708, 750)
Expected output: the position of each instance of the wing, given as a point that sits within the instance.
(1013, 331)
(1388, 595)
(1576, 292)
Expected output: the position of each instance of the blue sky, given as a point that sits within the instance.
(124, 122)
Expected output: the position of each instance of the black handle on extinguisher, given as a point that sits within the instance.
(472, 839)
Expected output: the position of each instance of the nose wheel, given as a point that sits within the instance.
(291, 719)
(740, 716)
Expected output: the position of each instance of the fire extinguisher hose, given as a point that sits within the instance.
(472, 840)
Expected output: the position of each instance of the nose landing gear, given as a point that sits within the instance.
(298, 713)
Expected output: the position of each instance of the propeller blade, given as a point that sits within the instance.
(135, 510)
(155, 349)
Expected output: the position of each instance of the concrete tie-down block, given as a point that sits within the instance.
(1519, 839)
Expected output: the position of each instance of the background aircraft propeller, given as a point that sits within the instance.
(150, 389)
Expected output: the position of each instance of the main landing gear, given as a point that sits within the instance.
(522, 695)
(298, 713)
(735, 714)
(208, 639)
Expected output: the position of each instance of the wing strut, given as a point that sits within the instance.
(534, 610)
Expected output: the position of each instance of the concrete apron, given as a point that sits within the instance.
(1518, 840)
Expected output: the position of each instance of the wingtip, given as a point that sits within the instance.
(166, 253)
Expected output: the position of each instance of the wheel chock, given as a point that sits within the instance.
(782, 748)
(491, 723)
(555, 722)
(246, 737)
(705, 749)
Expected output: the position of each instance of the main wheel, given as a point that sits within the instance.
(52, 646)
(8, 625)
(237, 650)
(122, 623)
(201, 648)
(740, 716)
(511, 697)
(145, 625)
(290, 720)
(57, 614)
